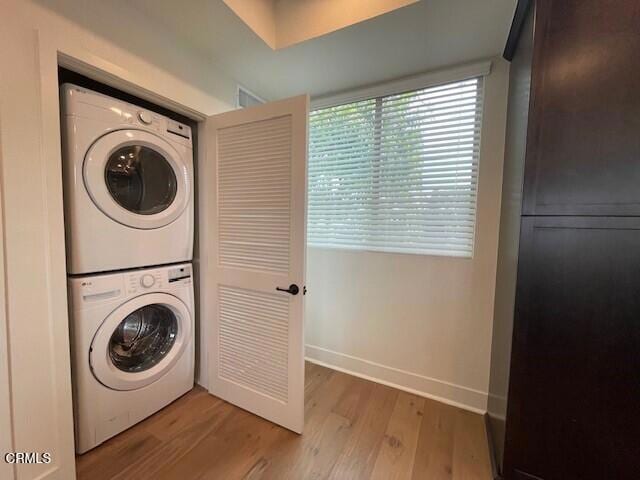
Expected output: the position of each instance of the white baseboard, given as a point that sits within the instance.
(441, 391)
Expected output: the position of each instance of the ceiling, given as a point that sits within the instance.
(282, 23)
(426, 35)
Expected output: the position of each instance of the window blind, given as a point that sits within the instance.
(397, 173)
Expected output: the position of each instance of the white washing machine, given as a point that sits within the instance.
(132, 347)
(128, 184)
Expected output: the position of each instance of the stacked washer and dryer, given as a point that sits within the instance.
(128, 176)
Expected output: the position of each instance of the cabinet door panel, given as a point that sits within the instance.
(575, 374)
(583, 152)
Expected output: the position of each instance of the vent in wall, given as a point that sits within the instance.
(247, 99)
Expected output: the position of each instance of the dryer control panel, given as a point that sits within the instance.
(89, 104)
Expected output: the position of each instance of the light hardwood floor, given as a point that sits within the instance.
(354, 429)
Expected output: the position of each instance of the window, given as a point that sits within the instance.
(397, 173)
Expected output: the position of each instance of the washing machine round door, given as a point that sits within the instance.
(140, 341)
(137, 178)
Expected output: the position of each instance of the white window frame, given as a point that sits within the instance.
(412, 83)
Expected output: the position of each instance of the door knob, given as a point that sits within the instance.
(293, 289)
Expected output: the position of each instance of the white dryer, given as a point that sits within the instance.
(132, 347)
(128, 184)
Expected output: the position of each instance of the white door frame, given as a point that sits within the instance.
(51, 55)
(6, 424)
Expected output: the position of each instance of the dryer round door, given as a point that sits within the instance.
(137, 179)
(140, 341)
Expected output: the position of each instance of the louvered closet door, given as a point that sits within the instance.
(256, 348)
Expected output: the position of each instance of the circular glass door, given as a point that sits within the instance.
(140, 341)
(140, 179)
(143, 338)
(137, 178)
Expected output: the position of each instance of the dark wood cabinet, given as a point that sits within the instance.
(583, 152)
(574, 395)
(573, 403)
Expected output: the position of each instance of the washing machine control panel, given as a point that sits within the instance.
(179, 274)
(152, 280)
(138, 282)
(145, 117)
(147, 280)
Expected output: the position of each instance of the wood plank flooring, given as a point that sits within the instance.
(354, 429)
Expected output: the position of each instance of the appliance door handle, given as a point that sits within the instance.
(293, 289)
(94, 297)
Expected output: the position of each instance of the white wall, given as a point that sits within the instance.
(421, 322)
(130, 48)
